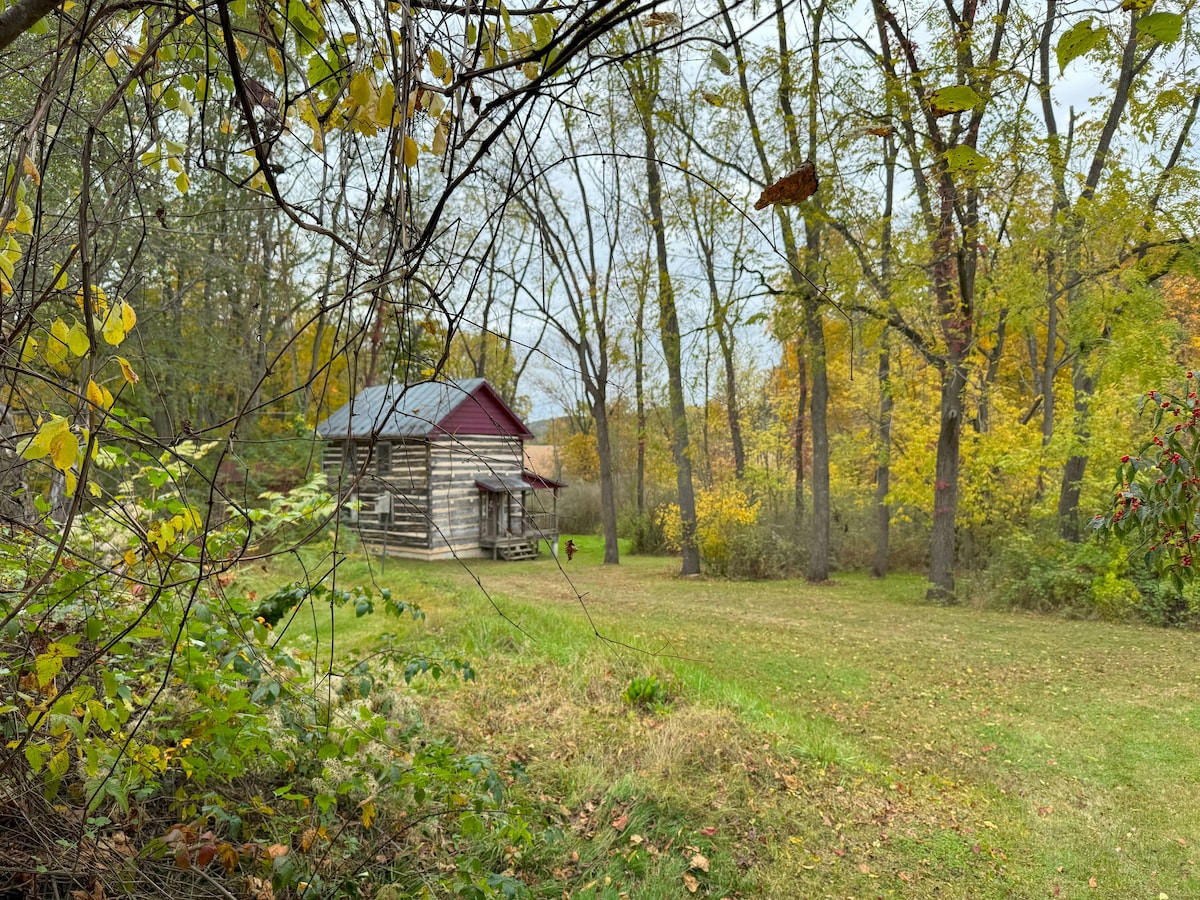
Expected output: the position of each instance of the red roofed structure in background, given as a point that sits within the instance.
(438, 469)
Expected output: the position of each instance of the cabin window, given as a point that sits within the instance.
(383, 458)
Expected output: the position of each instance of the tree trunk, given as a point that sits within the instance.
(608, 499)
(668, 325)
(732, 410)
(883, 468)
(819, 543)
(945, 487)
(1083, 387)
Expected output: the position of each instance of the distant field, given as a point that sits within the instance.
(836, 741)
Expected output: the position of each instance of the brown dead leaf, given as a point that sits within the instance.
(904, 876)
(690, 882)
(277, 850)
(699, 861)
(660, 18)
(790, 189)
(1181, 842)
(864, 868)
(205, 854)
(1092, 882)
(881, 131)
(620, 821)
(709, 831)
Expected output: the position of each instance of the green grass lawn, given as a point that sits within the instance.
(819, 741)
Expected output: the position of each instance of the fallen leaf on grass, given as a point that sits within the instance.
(699, 862)
(1092, 882)
(620, 821)
(712, 829)
(904, 876)
(690, 882)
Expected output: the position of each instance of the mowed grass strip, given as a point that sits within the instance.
(843, 740)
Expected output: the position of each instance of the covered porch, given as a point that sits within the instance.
(513, 513)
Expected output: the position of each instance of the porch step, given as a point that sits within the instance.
(518, 551)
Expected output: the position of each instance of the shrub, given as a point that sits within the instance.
(1094, 579)
(760, 554)
(721, 513)
(141, 684)
(645, 534)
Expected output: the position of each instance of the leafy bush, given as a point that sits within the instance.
(1047, 574)
(760, 554)
(722, 512)
(143, 693)
(645, 534)
(1093, 579)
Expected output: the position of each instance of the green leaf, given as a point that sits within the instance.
(1080, 39)
(302, 19)
(966, 159)
(958, 98)
(720, 61)
(33, 756)
(1164, 27)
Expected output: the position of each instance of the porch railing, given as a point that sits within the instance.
(530, 527)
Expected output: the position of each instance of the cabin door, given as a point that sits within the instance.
(494, 514)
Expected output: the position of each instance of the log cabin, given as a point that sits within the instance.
(438, 469)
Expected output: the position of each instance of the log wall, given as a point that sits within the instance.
(455, 463)
(391, 486)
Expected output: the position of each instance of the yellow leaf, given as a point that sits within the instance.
(95, 395)
(387, 103)
(77, 340)
(437, 63)
(127, 370)
(410, 151)
(128, 316)
(368, 814)
(94, 489)
(71, 482)
(226, 128)
(60, 283)
(241, 48)
(22, 223)
(64, 449)
(182, 183)
(111, 58)
(531, 70)
(29, 350)
(114, 328)
(360, 89)
(56, 344)
(439, 140)
(31, 171)
(276, 60)
(39, 444)
(130, 558)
